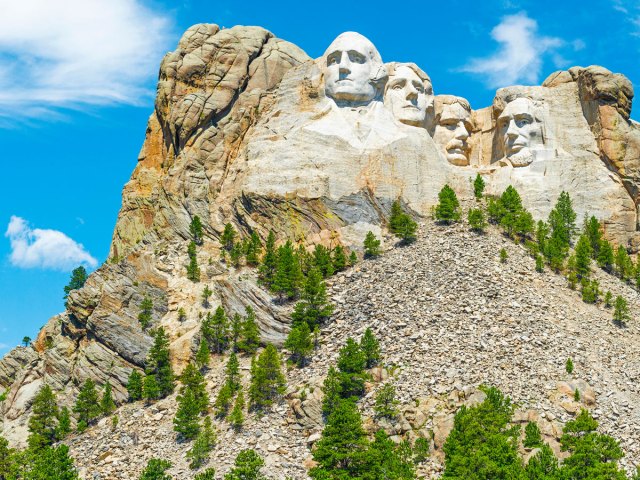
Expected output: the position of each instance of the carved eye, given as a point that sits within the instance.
(419, 87)
(450, 125)
(521, 122)
(333, 59)
(357, 57)
(397, 86)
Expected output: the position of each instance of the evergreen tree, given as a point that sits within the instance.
(64, 423)
(539, 264)
(624, 266)
(195, 228)
(208, 474)
(186, 421)
(532, 436)
(606, 258)
(107, 405)
(50, 463)
(267, 381)
(250, 335)
(593, 232)
(566, 217)
(590, 291)
(236, 254)
(511, 211)
(78, 278)
(87, 406)
(215, 330)
(235, 331)
(542, 235)
(401, 224)
(386, 460)
(228, 237)
(269, 265)
(193, 270)
(193, 380)
(313, 307)
(478, 187)
(353, 258)
(608, 297)
(206, 295)
(288, 276)
(253, 250)
(6, 459)
(371, 348)
(569, 366)
(371, 246)
(150, 388)
(322, 260)
(351, 363)
(332, 388)
(246, 467)
(203, 355)
(386, 404)
(339, 259)
(476, 220)
(223, 400)
(305, 260)
(299, 343)
(156, 470)
(543, 465)
(583, 256)
(202, 446)
(159, 363)
(621, 311)
(43, 423)
(134, 386)
(341, 450)
(232, 373)
(556, 252)
(146, 310)
(26, 341)
(503, 255)
(236, 418)
(448, 208)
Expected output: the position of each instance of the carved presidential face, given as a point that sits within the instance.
(352, 64)
(407, 97)
(452, 133)
(520, 130)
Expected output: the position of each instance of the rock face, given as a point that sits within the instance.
(248, 129)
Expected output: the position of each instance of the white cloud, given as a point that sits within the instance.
(520, 55)
(74, 53)
(40, 248)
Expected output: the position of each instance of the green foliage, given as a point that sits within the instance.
(186, 421)
(236, 331)
(6, 460)
(339, 259)
(562, 220)
(250, 335)
(621, 311)
(215, 330)
(322, 260)
(78, 278)
(508, 212)
(236, 254)
(64, 423)
(206, 294)
(542, 235)
(269, 264)
(203, 355)
(583, 256)
(223, 400)
(332, 388)
(192, 379)
(351, 363)
(267, 380)
(43, 423)
(476, 220)
(232, 373)
(134, 386)
(107, 405)
(353, 258)
(228, 237)
(313, 307)
(86, 407)
(236, 418)
(208, 474)
(195, 228)
(386, 404)
(146, 309)
(569, 366)
(247, 467)
(193, 270)
(159, 363)
(182, 315)
(624, 265)
(539, 264)
(421, 450)
(202, 446)
(383, 459)
(576, 395)
(371, 246)
(401, 224)
(606, 257)
(590, 291)
(26, 341)
(47, 463)
(288, 276)
(150, 388)
(543, 465)
(482, 445)
(478, 187)
(593, 231)
(532, 436)
(253, 249)
(503, 255)
(299, 343)
(371, 348)
(448, 208)
(608, 297)
(156, 470)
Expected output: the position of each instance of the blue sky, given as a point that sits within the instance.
(77, 80)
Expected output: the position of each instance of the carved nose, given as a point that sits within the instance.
(412, 94)
(345, 64)
(461, 132)
(512, 131)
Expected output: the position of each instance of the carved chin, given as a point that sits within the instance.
(457, 158)
(522, 158)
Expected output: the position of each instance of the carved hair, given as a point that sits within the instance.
(504, 96)
(426, 80)
(442, 100)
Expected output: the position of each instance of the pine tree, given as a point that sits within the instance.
(236, 254)
(195, 228)
(511, 211)
(593, 231)
(134, 386)
(246, 467)
(202, 446)
(351, 363)
(503, 255)
(206, 295)
(313, 307)
(156, 470)
(476, 220)
(543, 465)
(569, 366)
(107, 405)
(353, 258)
(146, 310)
(386, 404)
(478, 187)
(539, 264)
(566, 216)
(43, 423)
(6, 459)
(215, 330)
(608, 297)
(448, 208)
(371, 246)
(64, 423)
(228, 237)
(203, 355)
(383, 459)
(583, 256)
(78, 278)
(208, 474)
(371, 348)
(186, 421)
(339, 259)
(150, 388)
(288, 276)
(193, 270)
(532, 436)
(269, 265)
(299, 343)
(621, 311)
(606, 258)
(624, 266)
(223, 400)
(401, 224)
(236, 418)
(236, 331)
(542, 235)
(51, 463)
(267, 381)
(159, 363)
(322, 260)
(193, 380)
(250, 336)
(253, 250)
(332, 388)
(232, 373)
(87, 406)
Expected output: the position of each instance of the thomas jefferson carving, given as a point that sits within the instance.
(408, 93)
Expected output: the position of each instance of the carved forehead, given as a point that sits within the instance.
(518, 106)
(354, 41)
(452, 104)
(455, 111)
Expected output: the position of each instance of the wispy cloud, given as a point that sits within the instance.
(75, 53)
(43, 248)
(520, 55)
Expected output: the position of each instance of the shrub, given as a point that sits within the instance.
(478, 187)
(503, 255)
(569, 366)
(371, 246)
(401, 224)
(476, 219)
(448, 208)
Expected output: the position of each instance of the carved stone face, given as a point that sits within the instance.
(520, 131)
(406, 96)
(452, 133)
(352, 63)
